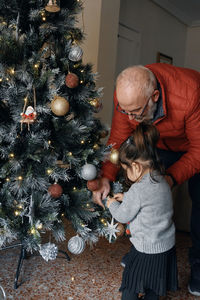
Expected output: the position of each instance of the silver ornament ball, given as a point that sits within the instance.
(75, 53)
(76, 245)
(88, 172)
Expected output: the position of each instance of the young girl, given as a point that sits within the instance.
(150, 266)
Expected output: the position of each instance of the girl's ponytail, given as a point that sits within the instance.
(142, 146)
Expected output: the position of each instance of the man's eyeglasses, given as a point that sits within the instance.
(133, 114)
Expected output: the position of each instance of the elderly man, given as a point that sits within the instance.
(169, 97)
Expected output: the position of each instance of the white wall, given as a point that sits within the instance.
(192, 56)
(160, 32)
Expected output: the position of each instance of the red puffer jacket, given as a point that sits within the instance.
(179, 127)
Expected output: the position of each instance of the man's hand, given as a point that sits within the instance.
(102, 192)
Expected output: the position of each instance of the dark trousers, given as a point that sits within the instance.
(168, 158)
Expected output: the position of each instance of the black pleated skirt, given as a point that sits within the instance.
(157, 272)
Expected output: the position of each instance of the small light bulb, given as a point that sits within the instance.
(70, 153)
(12, 71)
(82, 71)
(1, 79)
(96, 146)
(36, 66)
(62, 215)
(16, 213)
(11, 155)
(20, 178)
(33, 231)
(82, 142)
(43, 18)
(72, 279)
(20, 206)
(49, 171)
(74, 188)
(81, 81)
(39, 226)
(49, 142)
(102, 220)
(7, 179)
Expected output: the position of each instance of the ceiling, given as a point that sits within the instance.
(186, 11)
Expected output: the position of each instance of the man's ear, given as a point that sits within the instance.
(156, 95)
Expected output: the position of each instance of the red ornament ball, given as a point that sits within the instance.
(93, 185)
(71, 80)
(55, 190)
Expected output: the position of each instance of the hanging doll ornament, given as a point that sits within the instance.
(28, 116)
(53, 6)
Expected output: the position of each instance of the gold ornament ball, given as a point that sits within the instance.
(121, 229)
(95, 103)
(114, 156)
(59, 106)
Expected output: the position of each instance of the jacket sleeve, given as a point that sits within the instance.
(189, 163)
(128, 209)
(120, 130)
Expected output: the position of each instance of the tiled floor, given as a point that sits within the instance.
(93, 275)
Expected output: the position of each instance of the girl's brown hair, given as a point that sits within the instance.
(141, 147)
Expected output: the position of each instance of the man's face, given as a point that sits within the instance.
(135, 105)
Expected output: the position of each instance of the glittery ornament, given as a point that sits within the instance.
(114, 156)
(46, 50)
(75, 53)
(48, 251)
(111, 230)
(94, 184)
(71, 80)
(88, 172)
(121, 229)
(55, 190)
(97, 105)
(76, 245)
(52, 6)
(59, 106)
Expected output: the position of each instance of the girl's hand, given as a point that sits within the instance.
(119, 197)
(109, 201)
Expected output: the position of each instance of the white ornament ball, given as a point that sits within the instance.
(76, 245)
(75, 53)
(88, 172)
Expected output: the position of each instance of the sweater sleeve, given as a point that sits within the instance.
(127, 210)
(121, 129)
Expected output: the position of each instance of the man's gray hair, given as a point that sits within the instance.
(138, 77)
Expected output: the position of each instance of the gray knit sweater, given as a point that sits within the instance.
(148, 207)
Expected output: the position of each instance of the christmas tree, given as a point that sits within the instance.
(50, 141)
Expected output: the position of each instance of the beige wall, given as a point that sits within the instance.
(101, 19)
(192, 55)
